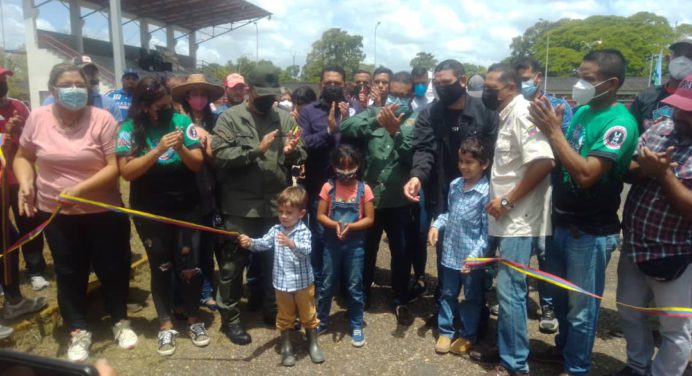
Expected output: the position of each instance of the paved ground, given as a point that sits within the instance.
(390, 349)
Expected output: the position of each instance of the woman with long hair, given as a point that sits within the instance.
(68, 147)
(159, 152)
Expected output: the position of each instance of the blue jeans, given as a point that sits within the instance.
(343, 261)
(316, 254)
(469, 310)
(512, 291)
(582, 259)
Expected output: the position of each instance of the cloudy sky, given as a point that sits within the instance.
(477, 32)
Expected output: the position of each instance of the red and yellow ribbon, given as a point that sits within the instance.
(567, 285)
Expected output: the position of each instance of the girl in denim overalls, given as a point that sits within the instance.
(345, 210)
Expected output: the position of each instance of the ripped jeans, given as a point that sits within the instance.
(171, 248)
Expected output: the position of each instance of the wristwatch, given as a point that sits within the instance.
(505, 203)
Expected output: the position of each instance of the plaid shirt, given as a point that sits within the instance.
(651, 228)
(465, 224)
(292, 268)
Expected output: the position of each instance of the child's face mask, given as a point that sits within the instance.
(345, 176)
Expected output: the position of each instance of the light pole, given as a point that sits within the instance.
(547, 55)
(256, 43)
(376, 26)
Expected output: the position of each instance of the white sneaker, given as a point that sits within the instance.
(124, 335)
(2, 292)
(78, 351)
(12, 311)
(5, 331)
(199, 335)
(38, 283)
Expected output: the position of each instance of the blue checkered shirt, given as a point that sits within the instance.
(465, 223)
(292, 268)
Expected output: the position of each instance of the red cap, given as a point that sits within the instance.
(5, 71)
(682, 98)
(234, 79)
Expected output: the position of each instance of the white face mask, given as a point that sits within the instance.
(583, 92)
(680, 67)
(286, 105)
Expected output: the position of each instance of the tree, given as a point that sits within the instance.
(215, 72)
(336, 47)
(18, 82)
(471, 69)
(638, 37)
(293, 71)
(425, 60)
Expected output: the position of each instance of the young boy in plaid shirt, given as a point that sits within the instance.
(292, 275)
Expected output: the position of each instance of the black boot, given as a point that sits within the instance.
(236, 334)
(314, 346)
(288, 359)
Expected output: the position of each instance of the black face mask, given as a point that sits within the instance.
(164, 116)
(490, 99)
(263, 104)
(449, 94)
(332, 94)
(3, 89)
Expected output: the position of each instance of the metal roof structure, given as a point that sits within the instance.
(191, 14)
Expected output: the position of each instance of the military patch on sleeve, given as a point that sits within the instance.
(192, 132)
(615, 137)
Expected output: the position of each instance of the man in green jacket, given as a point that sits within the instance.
(388, 132)
(254, 146)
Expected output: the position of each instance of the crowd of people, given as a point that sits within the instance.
(487, 166)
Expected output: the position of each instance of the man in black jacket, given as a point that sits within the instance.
(439, 131)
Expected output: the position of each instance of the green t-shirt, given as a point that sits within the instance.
(168, 185)
(609, 134)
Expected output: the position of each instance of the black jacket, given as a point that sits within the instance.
(648, 102)
(436, 145)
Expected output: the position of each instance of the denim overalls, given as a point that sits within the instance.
(343, 258)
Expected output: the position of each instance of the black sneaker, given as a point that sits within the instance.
(484, 354)
(419, 288)
(431, 322)
(551, 356)
(548, 323)
(403, 315)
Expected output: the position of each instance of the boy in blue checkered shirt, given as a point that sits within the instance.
(464, 228)
(292, 274)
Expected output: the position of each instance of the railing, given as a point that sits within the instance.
(71, 53)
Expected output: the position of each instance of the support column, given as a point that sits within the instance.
(192, 42)
(31, 41)
(144, 36)
(76, 25)
(170, 39)
(117, 39)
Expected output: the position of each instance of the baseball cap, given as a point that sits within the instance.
(234, 79)
(130, 72)
(264, 81)
(5, 71)
(682, 98)
(685, 39)
(474, 86)
(83, 61)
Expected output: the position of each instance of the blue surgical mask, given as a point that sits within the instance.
(528, 89)
(73, 98)
(420, 89)
(404, 104)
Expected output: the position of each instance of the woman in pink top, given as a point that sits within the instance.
(68, 147)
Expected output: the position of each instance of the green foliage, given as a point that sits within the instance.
(425, 60)
(18, 83)
(471, 69)
(638, 37)
(336, 47)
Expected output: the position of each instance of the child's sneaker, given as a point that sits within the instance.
(12, 311)
(199, 335)
(80, 343)
(460, 346)
(443, 344)
(166, 339)
(38, 282)
(5, 331)
(321, 329)
(358, 337)
(124, 335)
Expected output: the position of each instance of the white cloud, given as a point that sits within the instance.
(473, 31)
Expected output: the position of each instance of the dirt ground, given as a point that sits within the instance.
(390, 349)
